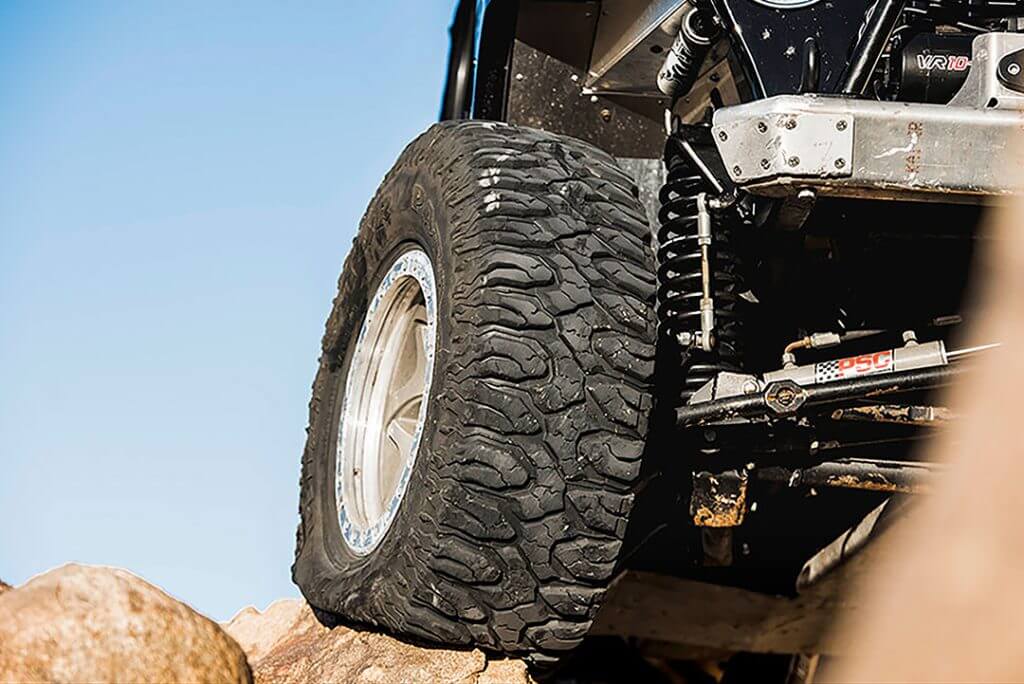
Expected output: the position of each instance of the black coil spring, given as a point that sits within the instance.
(680, 286)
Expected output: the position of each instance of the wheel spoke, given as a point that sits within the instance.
(401, 431)
(410, 371)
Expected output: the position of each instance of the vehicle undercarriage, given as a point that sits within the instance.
(814, 175)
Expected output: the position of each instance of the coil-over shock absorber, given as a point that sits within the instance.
(700, 274)
(698, 29)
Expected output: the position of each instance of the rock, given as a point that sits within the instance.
(79, 623)
(285, 643)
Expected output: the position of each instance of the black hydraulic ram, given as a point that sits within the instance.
(785, 397)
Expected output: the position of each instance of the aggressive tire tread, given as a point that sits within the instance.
(540, 404)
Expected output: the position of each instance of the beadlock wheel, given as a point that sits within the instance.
(480, 411)
(384, 407)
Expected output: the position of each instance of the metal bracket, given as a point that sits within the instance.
(985, 87)
(791, 143)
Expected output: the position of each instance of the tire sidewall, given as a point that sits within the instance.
(412, 214)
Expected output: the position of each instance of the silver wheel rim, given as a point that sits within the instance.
(385, 402)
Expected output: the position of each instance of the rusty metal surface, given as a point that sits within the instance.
(719, 499)
(896, 414)
(867, 475)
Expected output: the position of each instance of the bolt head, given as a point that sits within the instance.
(840, 163)
(736, 170)
(793, 161)
(765, 164)
(790, 124)
(762, 127)
(1014, 69)
(723, 136)
(841, 125)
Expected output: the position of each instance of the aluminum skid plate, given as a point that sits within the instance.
(961, 152)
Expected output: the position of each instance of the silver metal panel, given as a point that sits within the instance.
(900, 150)
(787, 143)
(623, 25)
(982, 88)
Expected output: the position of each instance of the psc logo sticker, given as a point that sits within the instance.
(879, 362)
(852, 366)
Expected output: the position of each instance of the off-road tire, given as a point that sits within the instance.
(516, 510)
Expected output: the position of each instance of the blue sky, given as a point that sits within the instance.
(179, 184)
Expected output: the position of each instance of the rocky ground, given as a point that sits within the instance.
(79, 623)
(285, 643)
